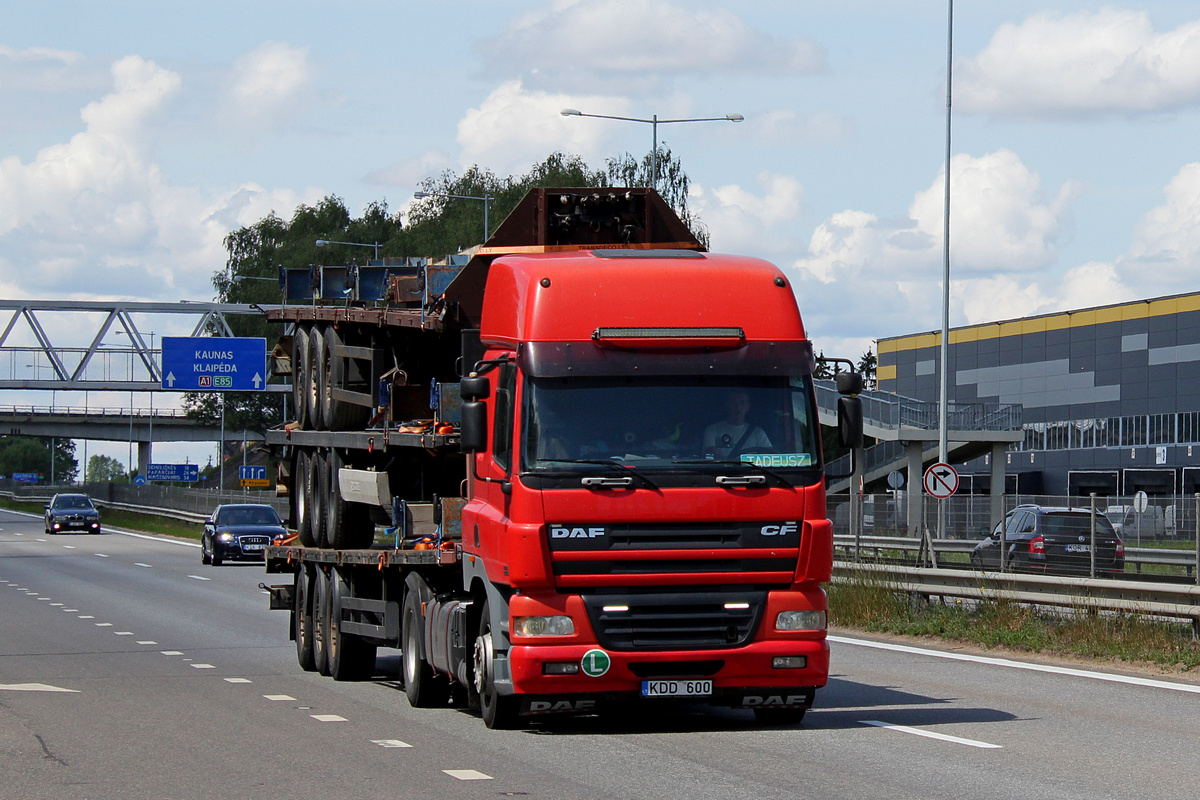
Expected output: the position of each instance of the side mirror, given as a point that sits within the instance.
(47, 506)
(849, 383)
(850, 421)
(473, 436)
(474, 387)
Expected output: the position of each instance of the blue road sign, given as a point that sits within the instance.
(214, 364)
(185, 473)
(25, 477)
(252, 473)
(140, 480)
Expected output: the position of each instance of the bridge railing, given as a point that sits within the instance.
(89, 412)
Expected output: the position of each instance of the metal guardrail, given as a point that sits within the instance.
(1137, 556)
(88, 412)
(186, 505)
(894, 411)
(1099, 594)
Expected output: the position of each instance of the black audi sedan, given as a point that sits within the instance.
(239, 531)
(1053, 540)
(71, 512)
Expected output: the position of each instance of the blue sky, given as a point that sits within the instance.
(136, 137)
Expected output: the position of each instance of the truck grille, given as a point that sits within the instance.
(674, 621)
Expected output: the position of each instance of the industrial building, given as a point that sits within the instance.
(1110, 395)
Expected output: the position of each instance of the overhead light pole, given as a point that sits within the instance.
(486, 198)
(654, 122)
(327, 242)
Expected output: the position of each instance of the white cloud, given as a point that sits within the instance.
(270, 84)
(412, 171)
(1108, 61)
(589, 39)
(514, 128)
(743, 222)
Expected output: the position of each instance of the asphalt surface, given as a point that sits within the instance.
(128, 670)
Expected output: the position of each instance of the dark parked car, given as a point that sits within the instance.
(239, 531)
(1053, 540)
(72, 512)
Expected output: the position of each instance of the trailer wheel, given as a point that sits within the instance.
(300, 369)
(348, 525)
(320, 627)
(423, 687)
(302, 618)
(316, 379)
(303, 493)
(339, 414)
(350, 658)
(318, 477)
(499, 712)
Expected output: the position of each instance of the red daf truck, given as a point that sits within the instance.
(577, 467)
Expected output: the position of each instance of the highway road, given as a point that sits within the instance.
(128, 670)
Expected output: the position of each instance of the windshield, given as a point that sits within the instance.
(664, 422)
(260, 515)
(73, 503)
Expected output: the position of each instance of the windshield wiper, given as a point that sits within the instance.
(730, 463)
(624, 469)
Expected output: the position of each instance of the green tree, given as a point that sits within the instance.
(33, 454)
(866, 366)
(101, 469)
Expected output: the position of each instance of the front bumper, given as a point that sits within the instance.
(232, 551)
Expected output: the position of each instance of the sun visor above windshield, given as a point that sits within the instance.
(563, 359)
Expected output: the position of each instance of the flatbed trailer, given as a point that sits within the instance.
(500, 466)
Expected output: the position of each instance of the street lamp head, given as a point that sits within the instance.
(734, 117)
(322, 242)
(571, 112)
(421, 195)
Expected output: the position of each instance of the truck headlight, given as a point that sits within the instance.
(800, 621)
(543, 626)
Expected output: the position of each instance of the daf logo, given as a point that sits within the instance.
(563, 532)
(1082, 539)
(785, 529)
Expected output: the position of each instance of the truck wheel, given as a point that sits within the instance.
(318, 483)
(423, 687)
(779, 716)
(302, 618)
(303, 492)
(499, 712)
(350, 658)
(316, 379)
(320, 608)
(300, 375)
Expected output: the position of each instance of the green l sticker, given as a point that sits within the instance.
(595, 663)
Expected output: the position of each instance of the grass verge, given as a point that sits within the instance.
(868, 604)
(147, 523)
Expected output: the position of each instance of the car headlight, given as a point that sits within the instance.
(800, 621)
(225, 537)
(543, 626)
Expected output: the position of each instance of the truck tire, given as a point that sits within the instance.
(302, 494)
(320, 607)
(300, 375)
(423, 688)
(339, 414)
(348, 526)
(316, 379)
(499, 712)
(350, 658)
(318, 482)
(302, 618)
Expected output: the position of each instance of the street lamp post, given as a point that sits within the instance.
(327, 242)
(654, 122)
(486, 198)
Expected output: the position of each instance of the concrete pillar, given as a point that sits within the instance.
(916, 491)
(999, 462)
(143, 457)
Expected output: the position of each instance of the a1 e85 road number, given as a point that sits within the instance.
(676, 688)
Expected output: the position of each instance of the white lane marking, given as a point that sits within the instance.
(147, 641)
(390, 743)
(154, 538)
(941, 737)
(123, 633)
(202, 666)
(328, 718)
(1004, 662)
(467, 774)
(278, 697)
(41, 540)
(140, 564)
(199, 578)
(57, 605)
(104, 624)
(100, 555)
(43, 598)
(86, 616)
(68, 547)
(34, 687)
(172, 652)
(238, 680)
(70, 610)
